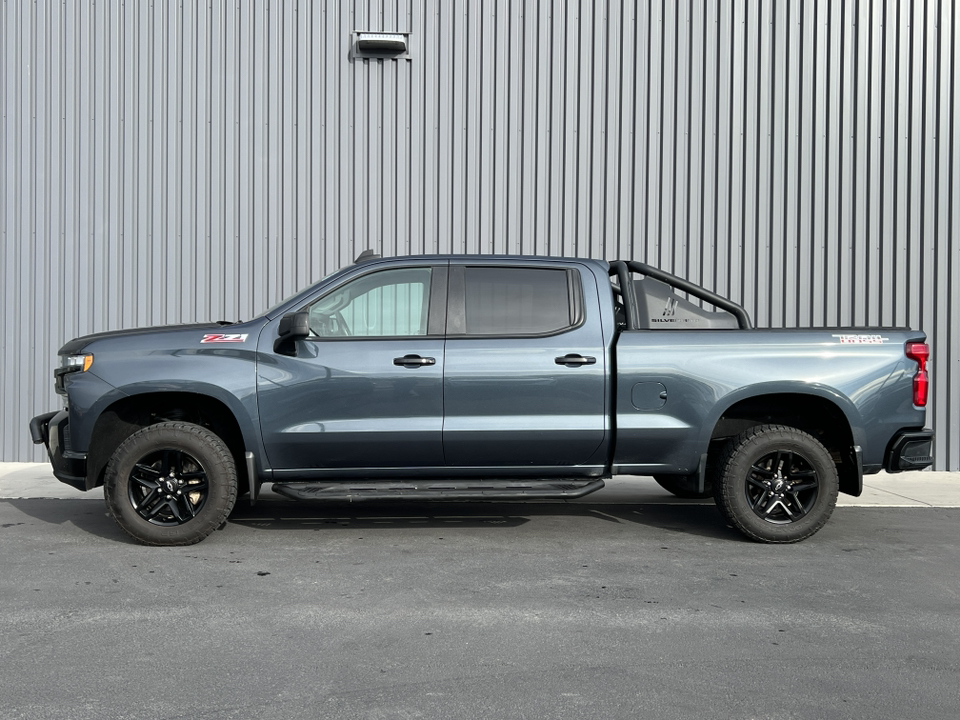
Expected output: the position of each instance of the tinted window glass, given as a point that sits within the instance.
(391, 303)
(516, 301)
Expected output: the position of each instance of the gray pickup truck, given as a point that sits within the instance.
(481, 378)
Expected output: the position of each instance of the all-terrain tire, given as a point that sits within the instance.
(776, 484)
(685, 486)
(172, 483)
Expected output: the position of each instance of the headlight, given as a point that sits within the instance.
(69, 365)
(76, 363)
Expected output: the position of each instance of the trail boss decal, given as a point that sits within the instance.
(221, 338)
(861, 339)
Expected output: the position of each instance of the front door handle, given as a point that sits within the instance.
(574, 359)
(414, 361)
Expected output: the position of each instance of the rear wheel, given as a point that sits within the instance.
(171, 484)
(685, 486)
(777, 484)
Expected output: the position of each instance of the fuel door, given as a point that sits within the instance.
(649, 396)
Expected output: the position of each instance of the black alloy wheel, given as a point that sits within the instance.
(168, 487)
(782, 487)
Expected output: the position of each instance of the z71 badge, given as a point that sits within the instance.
(221, 338)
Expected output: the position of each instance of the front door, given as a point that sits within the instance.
(365, 390)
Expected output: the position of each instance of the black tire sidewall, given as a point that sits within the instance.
(746, 450)
(215, 459)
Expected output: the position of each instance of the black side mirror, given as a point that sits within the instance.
(292, 327)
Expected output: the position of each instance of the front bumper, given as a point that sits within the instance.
(53, 430)
(910, 450)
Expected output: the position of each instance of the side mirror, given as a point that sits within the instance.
(292, 327)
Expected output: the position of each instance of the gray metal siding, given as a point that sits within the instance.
(177, 161)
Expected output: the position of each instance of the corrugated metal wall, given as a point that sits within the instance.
(177, 161)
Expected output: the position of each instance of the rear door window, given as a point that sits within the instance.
(519, 300)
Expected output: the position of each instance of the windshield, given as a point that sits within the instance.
(273, 308)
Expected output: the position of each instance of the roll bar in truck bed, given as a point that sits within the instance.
(622, 269)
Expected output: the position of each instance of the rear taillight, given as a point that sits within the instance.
(920, 352)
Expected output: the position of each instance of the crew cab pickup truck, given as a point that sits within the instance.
(481, 378)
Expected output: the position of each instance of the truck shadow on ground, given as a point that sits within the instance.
(693, 519)
(90, 516)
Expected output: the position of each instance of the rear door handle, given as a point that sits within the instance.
(574, 359)
(414, 361)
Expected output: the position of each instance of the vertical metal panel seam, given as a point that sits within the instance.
(758, 155)
(730, 137)
(718, 81)
(953, 375)
(674, 123)
(910, 135)
(838, 230)
(685, 238)
(605, 219)
(774, 231)
(937, 351)
(800, 136)
(742, 156)
(852, 289)
(882, 155)
(647, 112)
(869, 154)
(658, 240)
(706, 277)
(921, 240)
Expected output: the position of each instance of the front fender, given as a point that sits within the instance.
(243, 407)
(89, 395)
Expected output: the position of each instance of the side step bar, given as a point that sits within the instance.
(356, 491)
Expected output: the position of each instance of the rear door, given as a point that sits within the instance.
(525, 369)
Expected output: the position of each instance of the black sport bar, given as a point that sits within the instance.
(623, 268)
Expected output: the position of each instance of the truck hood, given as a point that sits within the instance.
(78, 344)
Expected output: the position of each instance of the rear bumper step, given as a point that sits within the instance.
(347, 491)
(910, 450)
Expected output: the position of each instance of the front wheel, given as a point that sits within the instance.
(777, 484)
(172, 483)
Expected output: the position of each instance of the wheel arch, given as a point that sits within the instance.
(135, 411)
(821, 412)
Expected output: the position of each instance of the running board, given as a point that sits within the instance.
(355, 491)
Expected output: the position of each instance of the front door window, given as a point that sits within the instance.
(391, 303)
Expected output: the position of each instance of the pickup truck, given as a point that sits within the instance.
(480, 378)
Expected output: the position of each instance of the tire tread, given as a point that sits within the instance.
(724, 488)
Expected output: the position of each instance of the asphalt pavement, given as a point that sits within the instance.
(631, 605)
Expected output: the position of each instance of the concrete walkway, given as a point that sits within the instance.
(912, 489)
